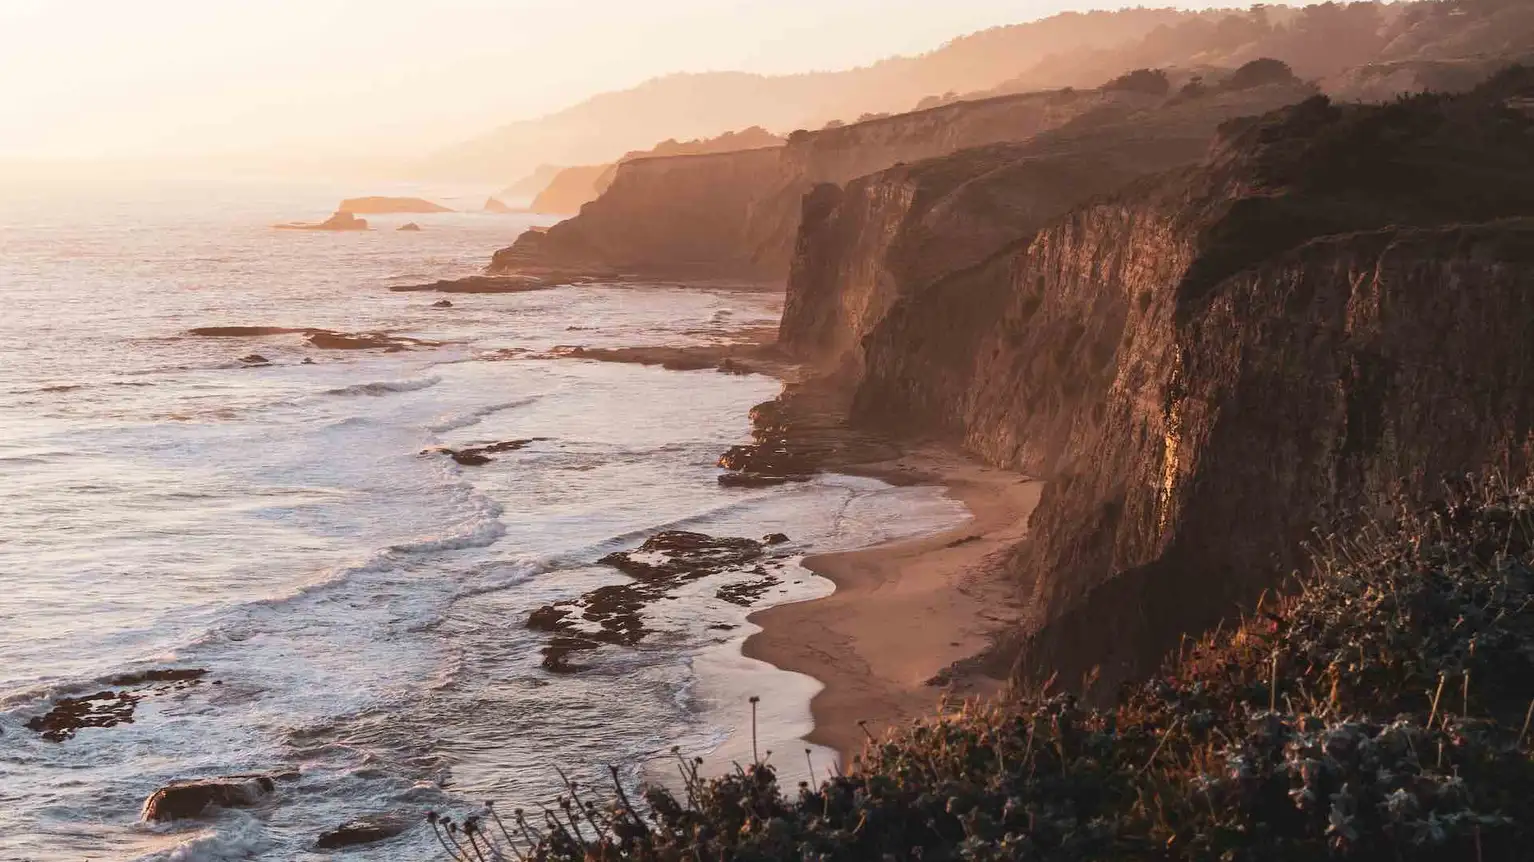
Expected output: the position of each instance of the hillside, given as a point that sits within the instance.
(737, 215)
(683, 106)
(1325, 42)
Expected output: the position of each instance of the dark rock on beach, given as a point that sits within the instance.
(442, 303)
(755, 465)
(409, 226)
(364, 830)
(684, 555)
(746, 593)
(183, 800)
(255, 359)
(611, 615)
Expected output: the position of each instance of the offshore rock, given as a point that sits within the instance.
(363, 830)
(340, 221)
(189, 799)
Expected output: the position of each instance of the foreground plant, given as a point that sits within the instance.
(1381, 712)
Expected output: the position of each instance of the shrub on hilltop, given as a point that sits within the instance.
(1379, 713)
(1258, 73)
(1150, 81)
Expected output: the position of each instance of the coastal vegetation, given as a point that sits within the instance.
(1380, 709)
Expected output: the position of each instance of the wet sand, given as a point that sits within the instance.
(906, 611)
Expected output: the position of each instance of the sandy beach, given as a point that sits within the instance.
(903, 612)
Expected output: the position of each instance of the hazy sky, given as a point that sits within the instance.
(130, 78)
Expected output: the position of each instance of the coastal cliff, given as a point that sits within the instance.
(892, 234)
(1330, 309)
(736, 215)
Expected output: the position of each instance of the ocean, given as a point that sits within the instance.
(358, 601)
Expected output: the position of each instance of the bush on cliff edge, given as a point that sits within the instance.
(1381, 712)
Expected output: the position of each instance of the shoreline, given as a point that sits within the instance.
(904, 612)
(888, 643)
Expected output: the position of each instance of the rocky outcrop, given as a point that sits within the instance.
(189, 799)
(736, 215)
(340, 221)
(389, 206)
(496, 206)
(114, 706)
(614, 615)
(476, 456)
(363, 830)
(409, 227)
(688, 215)
(1216, 360)
(324, 339)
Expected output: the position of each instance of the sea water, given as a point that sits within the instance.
(358, 601)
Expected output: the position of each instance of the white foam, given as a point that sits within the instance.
(473, 417)
(236, 835)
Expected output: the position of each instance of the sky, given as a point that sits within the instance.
(108, 79)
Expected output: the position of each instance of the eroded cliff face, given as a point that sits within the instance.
(737, 214)
(914, 228)
(1332, 308)
(1352, 370)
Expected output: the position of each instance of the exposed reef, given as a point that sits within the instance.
(475, 456)
(613, 615)
(324, 339)
(110, 707)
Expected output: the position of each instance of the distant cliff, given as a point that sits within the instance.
(737, 214)
(569, 189)
(1206, 365)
